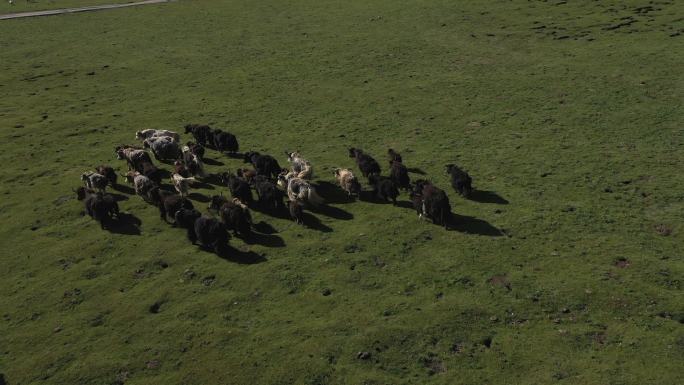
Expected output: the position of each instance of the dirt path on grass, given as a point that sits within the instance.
(78, 9)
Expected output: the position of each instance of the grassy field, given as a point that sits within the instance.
(566, 267)
(39, 5)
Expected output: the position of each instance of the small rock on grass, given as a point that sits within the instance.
(622, 263)
(154, 308)
(487, 342)
(663, 230)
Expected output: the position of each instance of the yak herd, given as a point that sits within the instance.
(271, 183)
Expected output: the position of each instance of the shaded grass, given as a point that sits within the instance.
(580, 137)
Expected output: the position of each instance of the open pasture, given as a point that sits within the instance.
(564, 267)
(40, 5)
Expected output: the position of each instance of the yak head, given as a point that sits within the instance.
(82, 193)
(420, 185)
(216, 202)
(226, 177)
(291, 156)
(119, 151)
(130, 176)
(282, 180)
(249, 156)
(238, 202)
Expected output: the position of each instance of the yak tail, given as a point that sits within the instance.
(314, 198)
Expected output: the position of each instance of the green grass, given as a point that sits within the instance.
(581, 135)
(39, 5)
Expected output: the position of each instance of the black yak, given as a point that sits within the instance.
(384, 188)
(265, 165)
(210, 233)
(460, 180)
(234, 214)
(99, 206)
(366, 163)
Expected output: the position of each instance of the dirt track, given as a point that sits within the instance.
(79, 9)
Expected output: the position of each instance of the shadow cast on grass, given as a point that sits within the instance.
(405, 205)
(203, 185)
(126, 224)
(312, 222)
(199, 197)
(119, 197)
(416, 170)
(166, 161)
(213, 179)
(369, 197)
(332, 212)
(462, 223)
(168, 187)
(212, 162)
(234, 155)
(281, 213)
(265, 228)
(164, 174)
(232, 254)
(267, 240)
(472, 225)
(332, 193)
(122, 188)
(487, 197)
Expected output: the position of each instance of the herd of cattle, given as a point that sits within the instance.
(270, 182)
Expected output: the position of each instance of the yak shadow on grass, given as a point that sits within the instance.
(312, 222)
(234, 155)
(164, 174)
(166, 161)
(280, 213)
(487, 197)
(122, 188)
(332, 212)
(212, 162)
(199, 197)
(213, 179)
(405, 205)
(126, 224)
(168, 187)
(119, 197)
(332, 193)
(462, 223)
(203, 185)
(232, 254)
(265, 228)
(472, 225)
(416, 170)
(369, 196)
(267, 240)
